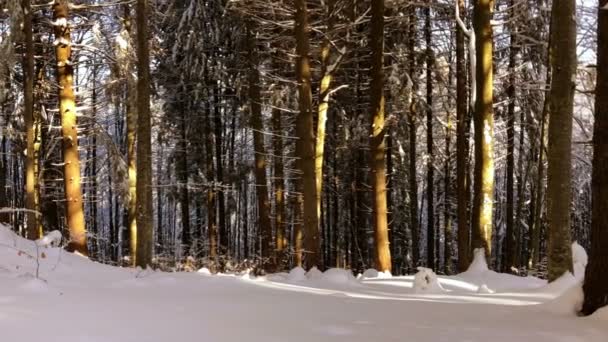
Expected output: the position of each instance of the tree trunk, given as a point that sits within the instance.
(462, 141)
(305, 145)
(131, 98)
(412, 128)
(279, 186)
(596, 276)
(447, 201)
(324, 92)
(32, 222)
(510, 239)
(210, 175)
(144, 213)
(218, 127)
(257, 125)
(182, 171)
(377, 143)
(563, 62)
(67, 109)
(483, 191)
(430, 167)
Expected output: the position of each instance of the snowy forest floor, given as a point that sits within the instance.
(74, 299)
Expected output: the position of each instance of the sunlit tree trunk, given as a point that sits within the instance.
(377, 143)
(483, 201)
(144, 213)
(67, 109)
(324, 92)
(559, 155)
(305, 145)
(596, 276)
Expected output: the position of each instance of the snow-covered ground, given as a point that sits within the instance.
(77, 300)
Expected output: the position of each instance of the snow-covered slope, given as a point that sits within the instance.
(74, 299)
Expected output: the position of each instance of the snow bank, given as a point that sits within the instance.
(425, 281)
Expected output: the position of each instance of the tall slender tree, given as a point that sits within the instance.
(144, 217)
(31, 204)
(257, 125)
(305, 145)
(377, 143)
(69, 128)
(462, 145)
(430, 167)
(483, 192)
(510, 240)
(559, 156)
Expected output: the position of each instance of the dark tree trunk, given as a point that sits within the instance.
(596, 276)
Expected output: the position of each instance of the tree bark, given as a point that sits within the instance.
(430, 167)
(257, 125)
(31, 204)
(305, 145)
(67, 108)
(279, 185)
(510, 239)
(377, 143)
(462, 141)
(559, 156)
(412, 133)
(596, 275)
(324, 92)
(144, 213)
(483, 191)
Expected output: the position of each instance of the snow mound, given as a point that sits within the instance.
(204, 271)
(52, 239)
(579, 260)
(338, 276)
(425, 281)
(479, 264)
(297, 274)
(371, 273)
(570, 302)
(314, 274)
